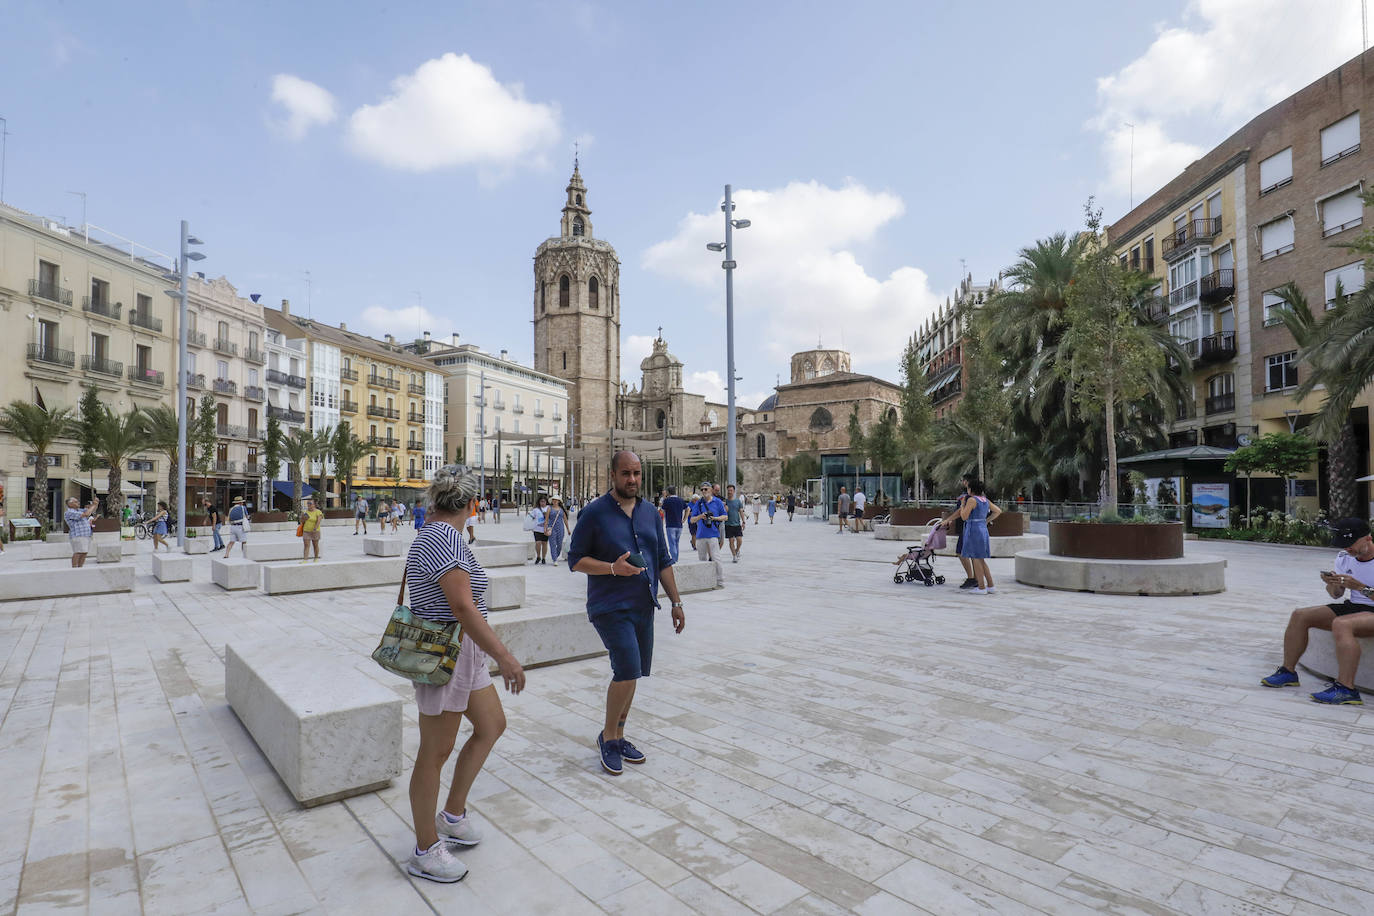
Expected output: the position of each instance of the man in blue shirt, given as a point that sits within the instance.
(674, 514)
(710, 512)
(618, 544)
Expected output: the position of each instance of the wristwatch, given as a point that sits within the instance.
(677, 604)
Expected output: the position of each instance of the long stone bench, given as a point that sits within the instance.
(329, 730)
(56, 583)
(327, 575)
(493, 556)
(382, 546)
(527, 543)
(197, 546)
(62, 550)
(268, 551)
(538, 636)
(692, 577)
(1320, 658)
(235, 574)
(171, 567)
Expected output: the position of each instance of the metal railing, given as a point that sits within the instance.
(1220, 403)
(385, 413)
(378, 381)
(139, 319)
(415, 445)
(1218, 347)
(516, 408)
(1192, 232)
(538, 412)
(254, 355)
(415, 388)
(225, 386)
(348, 406)
(295, 381)
(195, 381)
(285, 413)
(254, 393)
(385, 441)
(226, 346)
(250, 467)
(415, 416)
(225, 467)
(45, 354)
(227, 431)
(195, 338)
(276, 376)
(50, 291)
(349, 374)
(146, 376)
(1183, 294)
(102, 365)
(1217, 285)
(102, 308)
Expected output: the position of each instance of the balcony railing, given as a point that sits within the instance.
(415, 445)
(226, 346)
(225, 386)
(378, 381)
(1157, 309)
(348, 406)
(295, 381)
(227, 431)
(385, 413)
(276, 376)
(102, 365)
(499, 405)
(101, 308)
(1183, 295)
(1217, 285)
(415, 388)
(538, 412)
(350, 375)
(142, 320)
(254, 393)
(285, 413)
(557, 416)
(251, 467)
(415, 416)
(225, 467)
(1220, 403)
(254, 355)
(45, 354)
(195, 338)
(196, 381)
(1216, 348)
(50, 291)
(146, 376)
(385, 441)
(1185, 237)
(516, 408)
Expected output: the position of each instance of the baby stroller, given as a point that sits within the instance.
(920, 559)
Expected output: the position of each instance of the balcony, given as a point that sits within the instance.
(385, 413)
(254, 355)
(1156, 309)
(196, 381)
(385, 441)
(348, 406)
(557, 416)
(390, 384)
(1183, 295)
(51, 291)
(225, 467)
(101, 308)
(415, 445)
(1217, 285)
(414, 388)
(1188, 236)
(254, 393)
(538, 412)
(1183, 410)
(253, 468)
(145, 376)
(499, 405)
(225, 386)
(415, 416)
(295, 381)
(1220, 403)
(276, 376)
(142, 320)
(285, 414)
(225, 346)
(349, 375)
(102, 365)
(226, 431)
(195, 338)
(43, 353)
(1216, 348)
(517, 409)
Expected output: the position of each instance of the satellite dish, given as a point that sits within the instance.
(1243, 438)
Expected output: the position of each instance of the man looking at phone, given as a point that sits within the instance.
(618, 544)
(1347, 621)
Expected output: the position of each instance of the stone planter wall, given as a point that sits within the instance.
(338, 513)
(1008, 524)
(104, 524)
(917, 515)
(1101, 541)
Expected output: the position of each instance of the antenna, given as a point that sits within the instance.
(4, 144)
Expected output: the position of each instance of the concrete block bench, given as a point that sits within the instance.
(505, 592)
(196, 546)
(1320, 659)
(171, 568)
(109, 552)
(327, 575)
(382, 546)
(493, 556)
(278, 550)
(693, 577)
(235, 573)
(543, 637)
(62, 550)
(56, 583)
(329, 730)
(527, 543)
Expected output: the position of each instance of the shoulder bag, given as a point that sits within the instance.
(419, 650)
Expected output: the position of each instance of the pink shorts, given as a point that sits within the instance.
(469, 674)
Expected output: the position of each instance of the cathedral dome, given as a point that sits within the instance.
(769, 403)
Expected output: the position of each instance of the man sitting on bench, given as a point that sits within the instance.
(1347, 621)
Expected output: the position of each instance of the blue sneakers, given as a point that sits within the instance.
(1337, 694)
(1280, 678)
(610, 755)
(629, 753)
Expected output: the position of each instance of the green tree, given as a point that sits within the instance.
(885, 446)
(347, 450)
(396, 479)
(1107, 357)
(299, 447)
(800, 468)
(272, 456)
(160, 434)
(38, 429)
(858, 446)
(201, 438)
(510, 477)
(985, 406)
(91, 412)
(917, 413)
(1284, 455)
(118, 437)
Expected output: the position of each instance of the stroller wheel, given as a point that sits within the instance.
(939, 580)
(897, 577)
(930, 583)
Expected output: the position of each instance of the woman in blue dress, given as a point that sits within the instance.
(160, 527)
(555, 526)
(974, 546)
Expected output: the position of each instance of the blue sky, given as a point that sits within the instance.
(413, 149)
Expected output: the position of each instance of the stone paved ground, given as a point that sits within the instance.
(820, 740)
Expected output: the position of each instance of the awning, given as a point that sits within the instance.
(1172, 462)
(944, 378)
(287, 488)
(103, 486)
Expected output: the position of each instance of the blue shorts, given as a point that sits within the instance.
(629, 638)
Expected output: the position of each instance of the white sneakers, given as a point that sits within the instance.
(438, 863)
(463, 833)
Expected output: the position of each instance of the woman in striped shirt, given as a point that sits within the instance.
(447, 583)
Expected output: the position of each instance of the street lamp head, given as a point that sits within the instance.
(192, 240)
(715, 246)
(195, 256)
(740, 223)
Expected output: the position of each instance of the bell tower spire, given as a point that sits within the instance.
(577, 218)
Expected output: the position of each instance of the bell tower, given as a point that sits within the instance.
(577, 313)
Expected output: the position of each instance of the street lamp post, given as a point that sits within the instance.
(731, 224)
(1292, 416)
(187, 240)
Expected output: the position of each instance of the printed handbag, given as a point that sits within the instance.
(422, 651)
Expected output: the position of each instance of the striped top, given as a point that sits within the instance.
(439, 547)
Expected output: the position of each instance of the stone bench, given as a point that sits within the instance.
(109, 552)
(911, 534)
(327, 575)
(692, 577)
(505, 592)
(56, 583)
(266, 552)
(171, 568)
(527, 543)
(1320, 659)
(1194, 575)
(382, 546)
(493, 556)
(197, 546)
(329, 730)
(538, 636)
(235, 574)
(62, 550)
(1001, 548)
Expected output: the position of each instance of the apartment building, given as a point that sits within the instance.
(381, 390)
(939, 346)
(521, 424)
(1289, 184)
(284, 379)
(226, 356)
(79, 311)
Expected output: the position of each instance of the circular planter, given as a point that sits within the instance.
(917, 515)
(267, 517)
(1104, 541)
(338, 513)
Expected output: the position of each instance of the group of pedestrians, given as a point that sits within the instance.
(970, 519)
(547, 520)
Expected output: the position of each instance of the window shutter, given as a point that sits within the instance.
(1350, 277)
(1276, 236)
(1277, 169)
(1341, 210)
(1341, 138)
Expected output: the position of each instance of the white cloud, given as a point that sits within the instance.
(799, 279)
(452, 112)
(632, 352)
(307, 105)
(1203, 78)
(405, 323)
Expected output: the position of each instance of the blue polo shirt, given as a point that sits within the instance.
(673, 509)
(604, 532)
(706, 528)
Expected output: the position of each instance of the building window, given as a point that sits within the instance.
(761, 445)
(1272, 304)
(100, 292)
(1214, 205)
(821, 419)
(564, 291)
(1276, 171)
(1341, 212)
(593, 293)
(1221, 393)
(565, 359)
(1148, 250)
(543, 302)
(1348, 278)
(221, 369)
(1341, 139)
(1276, 238)
(578, 227)
(1281, 371)
(660, 420)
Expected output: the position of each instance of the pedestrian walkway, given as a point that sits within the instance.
(820, 740)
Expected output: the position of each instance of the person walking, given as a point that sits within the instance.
(618, 544)
(842, 510)
(674, 515)
(691, 519)
(418, 515)
(710, 512)
(79, 530)
(311, 520)
(978, 512)
(398, 509)
(955, 521)
(772, 507)
(447, 583)
(360, 514)
(756, 503)
(216, 519)
(238, 528)
(383, 515)
(860, 501)
(734, 522)
(791, 504)
(556, 526)
(534, 522)
(160, 527)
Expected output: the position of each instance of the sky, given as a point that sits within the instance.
(396, 166)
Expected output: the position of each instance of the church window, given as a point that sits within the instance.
(543, 301)
(713, 417)
(579, 200)
(762, 446)
(564, 293)
(578, 228)
(565, 359)
(593, 293)
(661, 420)
(892, 414)
(808, 370)
(821, 419)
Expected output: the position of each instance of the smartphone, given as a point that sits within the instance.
(1328, 574)
(637, 559)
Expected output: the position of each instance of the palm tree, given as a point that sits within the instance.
(348, 450)
(117, 439)
(1339, 351)
(38, 429)
(301, 446)
(160, 433)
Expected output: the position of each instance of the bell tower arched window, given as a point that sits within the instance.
(543, 298)
(662, 418)
(762, 446)
(821, 419)
(564, 294)
(593, 293)
(578, 228)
